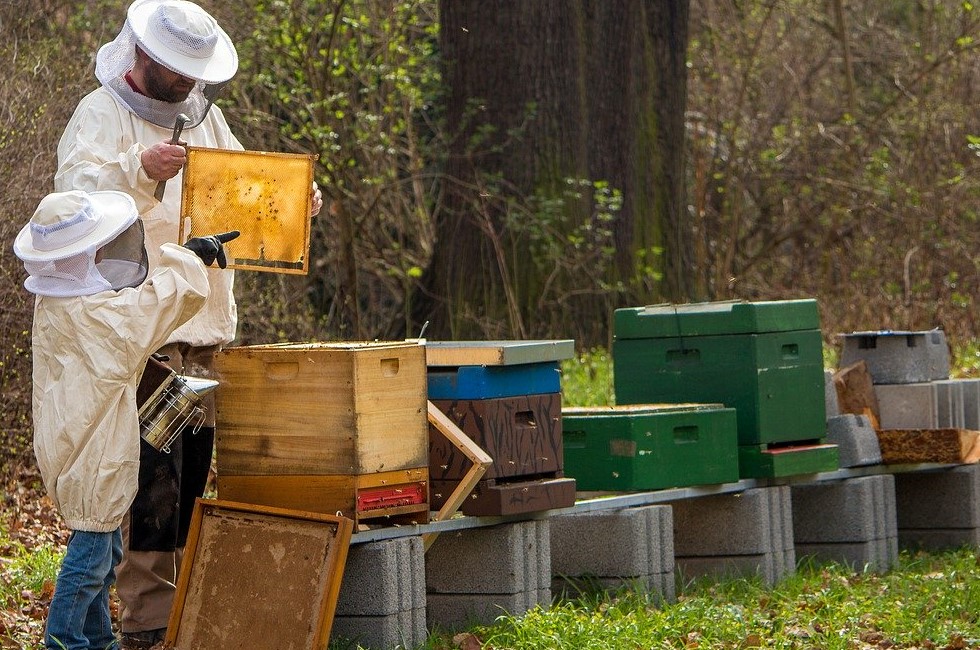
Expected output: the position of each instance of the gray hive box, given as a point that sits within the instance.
(898, 357)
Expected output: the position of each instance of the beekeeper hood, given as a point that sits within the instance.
(178, 35)
(79, 244)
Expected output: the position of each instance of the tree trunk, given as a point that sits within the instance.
(539, 93)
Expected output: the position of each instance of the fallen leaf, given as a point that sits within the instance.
(467, 641)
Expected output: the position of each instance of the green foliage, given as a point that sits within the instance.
(965, 359)
(27, 575)
(587, 379)
(354, 82)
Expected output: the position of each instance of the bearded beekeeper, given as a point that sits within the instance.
(168, 59)
(97, 318)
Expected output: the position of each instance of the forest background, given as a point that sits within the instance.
(788, 149)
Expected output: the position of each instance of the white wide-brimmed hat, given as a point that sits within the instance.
(69, 223)
(184, 38)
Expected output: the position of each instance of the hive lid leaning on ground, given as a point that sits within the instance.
(715, 318)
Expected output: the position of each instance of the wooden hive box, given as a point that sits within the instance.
(325, 427)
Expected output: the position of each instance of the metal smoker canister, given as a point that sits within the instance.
(174, 405)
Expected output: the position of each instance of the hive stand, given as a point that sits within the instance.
(382, 597)
(938, 510)
(856, 440)
(637, 551)
(474, 576)
(851, 521)
(735, 534)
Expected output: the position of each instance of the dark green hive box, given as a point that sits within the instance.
(650, 446)
(764, 359)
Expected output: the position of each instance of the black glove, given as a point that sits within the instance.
(210, 248)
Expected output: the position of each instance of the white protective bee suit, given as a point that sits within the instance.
(89, 352)
(100, 150)
(98, 316)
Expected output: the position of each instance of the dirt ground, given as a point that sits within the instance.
(31, 521)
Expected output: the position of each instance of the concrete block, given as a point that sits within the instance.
(856, 440)
(949, 404)
(521, 552)
(382, 596)
(769, 566)
(938, 539)
(907, 406)
(462, 611)
(475, 574)
(946, 499)
(838, 511)
(632, 547)
(381, 578)
(830, 394)
(890, 517)
(748, 532)
(850, 521)
(971, 403)
(726, 524)
(401, 631)
(872, 555)
(896, 357)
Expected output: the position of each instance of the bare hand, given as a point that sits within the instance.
(163, 161)
(317, 202)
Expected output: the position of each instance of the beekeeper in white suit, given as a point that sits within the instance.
(158, 66)
(97, 318)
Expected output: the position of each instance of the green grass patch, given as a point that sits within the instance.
(587, 379)
(928, 601)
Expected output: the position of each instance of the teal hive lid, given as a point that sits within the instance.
(715, 318)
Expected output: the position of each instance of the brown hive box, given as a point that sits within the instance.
(339, 428)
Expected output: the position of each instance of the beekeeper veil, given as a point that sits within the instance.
(178, 35)
(79, 244)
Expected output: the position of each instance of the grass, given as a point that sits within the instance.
(929, 601)
(27, 578)
(587, 379)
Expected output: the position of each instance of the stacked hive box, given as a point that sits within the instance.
(339, 428)
(764, 359)
(650, 446)
(909, 371)
(506, 397)
(923, 415)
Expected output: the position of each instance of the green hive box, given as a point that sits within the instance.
(758, 461)
(650, 446)
(764, 359)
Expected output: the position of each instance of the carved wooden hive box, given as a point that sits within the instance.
(506, 397)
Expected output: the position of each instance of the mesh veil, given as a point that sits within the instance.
(118, 57)
(121, 263)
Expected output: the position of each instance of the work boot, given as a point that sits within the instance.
(141, 640)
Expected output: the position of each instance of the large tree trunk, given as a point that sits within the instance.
(538, 93)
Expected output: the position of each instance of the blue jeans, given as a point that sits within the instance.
(79, 615)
